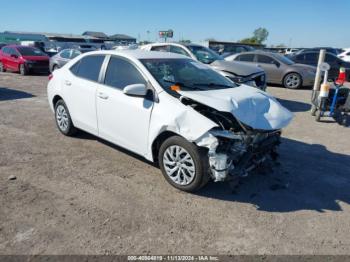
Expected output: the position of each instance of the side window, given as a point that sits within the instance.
(88, 67)
(178, 50)
(265, 59)
(246, 58)
(74, 54)
(162, 48)
(65, 54)
(13, 51)
(5, 50)
(311, 57)
(121, 73)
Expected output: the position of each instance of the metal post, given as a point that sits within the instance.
(318, 73)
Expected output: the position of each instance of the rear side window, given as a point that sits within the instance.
(246, 58)
(313, 57)
(162, 48)
(65, 54)
(88, 67)
(178, 50)
(121, 73)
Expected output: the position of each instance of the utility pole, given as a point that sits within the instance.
(318, 73)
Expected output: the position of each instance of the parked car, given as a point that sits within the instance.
(291, 51)
(197, 124)
(23, 59)
(331, 50)
(311, 58)
(345, 55)
(279, 69)
(62, 58)
(237, 72)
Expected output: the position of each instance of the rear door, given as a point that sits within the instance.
(5, 56)
(79, 87)
(13, 59)
(123, 119)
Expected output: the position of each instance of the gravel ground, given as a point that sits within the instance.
(85, 196)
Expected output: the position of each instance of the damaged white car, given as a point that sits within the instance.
(197, 124)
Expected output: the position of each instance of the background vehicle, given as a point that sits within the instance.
(59, 60)
(311, 58)
(331, 50)
(237, 72)
(23, 59)
(194, 122)
(279, 69)
(291, 51)
(345, 55)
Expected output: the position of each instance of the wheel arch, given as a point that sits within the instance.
(158, 141)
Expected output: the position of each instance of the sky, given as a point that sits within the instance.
(296, 23)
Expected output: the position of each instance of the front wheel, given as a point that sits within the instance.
(183, 164)
(2, 68)
(292, 81)
(23, 70)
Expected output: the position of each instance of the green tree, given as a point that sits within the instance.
(259, 36)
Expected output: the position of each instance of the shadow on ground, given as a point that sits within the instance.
(309, 178)
(295, 106)
(11, 94)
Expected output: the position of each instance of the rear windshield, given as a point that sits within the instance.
(30, 51)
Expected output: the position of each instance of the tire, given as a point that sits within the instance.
(23, 70)
(313, 110)
(63, 120)
(2, 68)
(190, 175)
(54, 67)
(292, 81)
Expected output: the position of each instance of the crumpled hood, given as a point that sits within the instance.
(237, 68)
(249, 105)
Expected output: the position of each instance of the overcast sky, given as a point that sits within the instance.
(303, 23)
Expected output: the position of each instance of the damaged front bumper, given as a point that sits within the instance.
(231, 155)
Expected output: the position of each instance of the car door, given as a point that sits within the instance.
(13, 59)
(123, 119)
(245, 58)
(271, 68)
(5, 56)
(79, 88)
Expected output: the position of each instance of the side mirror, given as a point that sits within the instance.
(135, 90)
(14, 56)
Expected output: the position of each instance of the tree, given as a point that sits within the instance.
(259, 36)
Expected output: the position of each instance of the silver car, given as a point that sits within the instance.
(279, 69)
(239, 73)
(62, 58)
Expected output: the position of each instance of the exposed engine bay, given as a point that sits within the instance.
(235, 149)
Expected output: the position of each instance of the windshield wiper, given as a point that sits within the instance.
(184, 85)
(212, 84)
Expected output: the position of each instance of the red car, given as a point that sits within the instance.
(23, 59)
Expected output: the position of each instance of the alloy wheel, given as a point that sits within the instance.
(179, 165)
(62, 118)
(293, 81)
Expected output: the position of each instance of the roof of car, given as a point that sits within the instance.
(140, 54)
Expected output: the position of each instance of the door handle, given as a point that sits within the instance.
(102, 95)
(68, 83)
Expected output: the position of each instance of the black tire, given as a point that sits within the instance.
(54, 67)
(67, 129)
(313, 110)
(2, 69)
(199, 157)
(23, 70)
(292, 84)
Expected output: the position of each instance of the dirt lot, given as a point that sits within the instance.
(84, 196)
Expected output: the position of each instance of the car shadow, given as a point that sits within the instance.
(310, 177)
(295, 106)
(12, 94)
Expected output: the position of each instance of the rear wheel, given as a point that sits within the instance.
(63, 119)
(23, 70)
(292, 81)
(183, 164)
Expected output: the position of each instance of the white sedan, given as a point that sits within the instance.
(197, 124)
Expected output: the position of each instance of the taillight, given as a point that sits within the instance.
(50, 76)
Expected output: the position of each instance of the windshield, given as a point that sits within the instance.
(186, 73)
(204, 54)
(283, 59)
(29, 51)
